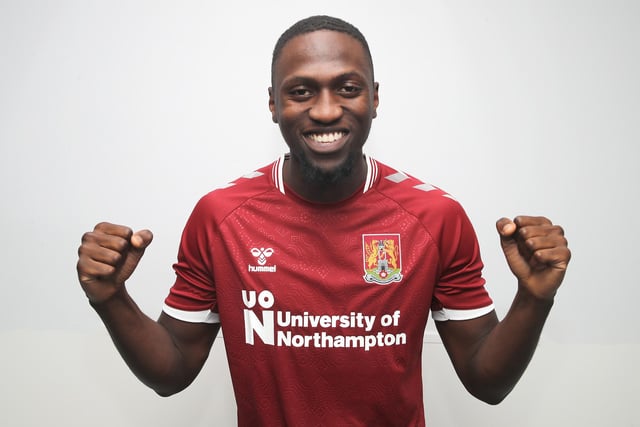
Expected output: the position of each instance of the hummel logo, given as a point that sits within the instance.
(261, 254)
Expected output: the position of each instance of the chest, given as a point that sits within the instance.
(330, 261)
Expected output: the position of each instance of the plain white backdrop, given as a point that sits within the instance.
(129, 111)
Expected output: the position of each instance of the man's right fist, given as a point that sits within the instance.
(107, 257)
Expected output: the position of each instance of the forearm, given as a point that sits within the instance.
(503, 355)
(490, 356)
(144, 344)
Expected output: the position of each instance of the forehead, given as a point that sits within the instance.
(318, 52)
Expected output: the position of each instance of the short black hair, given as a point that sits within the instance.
(317, 23)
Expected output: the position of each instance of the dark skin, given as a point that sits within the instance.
(166, 354)
(324, 99)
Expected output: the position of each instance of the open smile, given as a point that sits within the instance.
(325, 141)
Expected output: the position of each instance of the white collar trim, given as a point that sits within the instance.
(277, 173)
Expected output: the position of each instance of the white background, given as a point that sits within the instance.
(129, 111)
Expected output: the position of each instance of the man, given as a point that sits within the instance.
(323, 267)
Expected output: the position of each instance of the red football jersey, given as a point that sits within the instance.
(323, 306)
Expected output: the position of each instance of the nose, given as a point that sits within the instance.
(326, 108)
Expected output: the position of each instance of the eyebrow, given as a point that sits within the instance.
(301, 79)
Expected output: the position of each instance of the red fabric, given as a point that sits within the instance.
(312, 336)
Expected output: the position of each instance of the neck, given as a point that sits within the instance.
(318, 188)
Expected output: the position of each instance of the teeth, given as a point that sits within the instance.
(326, 137)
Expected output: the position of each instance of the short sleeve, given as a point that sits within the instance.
(460, 293)
(192, 298)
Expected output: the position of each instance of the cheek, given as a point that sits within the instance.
(288, 122)
(289, 116)
(364, 110)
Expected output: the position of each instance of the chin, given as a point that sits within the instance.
(314, 173)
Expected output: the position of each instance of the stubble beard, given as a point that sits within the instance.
(313, 174)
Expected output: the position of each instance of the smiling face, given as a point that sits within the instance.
(324, 99)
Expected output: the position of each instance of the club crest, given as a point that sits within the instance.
(382, 260)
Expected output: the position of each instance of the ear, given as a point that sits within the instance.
(272, 106)
(376, 100)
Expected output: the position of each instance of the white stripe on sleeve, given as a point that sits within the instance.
(450, 314)
(205, 316)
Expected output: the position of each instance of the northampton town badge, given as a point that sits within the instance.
(382, 260)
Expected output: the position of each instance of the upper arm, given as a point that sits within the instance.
(193, 342)
(462, 339)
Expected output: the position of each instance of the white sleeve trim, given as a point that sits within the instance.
(451, 314)
(205, 316)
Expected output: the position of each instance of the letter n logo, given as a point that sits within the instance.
(263, 329)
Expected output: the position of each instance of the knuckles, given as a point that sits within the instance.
(113, 230)
(117, 242)
(102, 248)
(550, 230)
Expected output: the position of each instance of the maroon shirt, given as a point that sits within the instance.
(323, 307)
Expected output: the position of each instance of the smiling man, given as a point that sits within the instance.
(324, 99)
(323, 267)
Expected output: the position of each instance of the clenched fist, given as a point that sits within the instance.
(107, 257)
(537, 253)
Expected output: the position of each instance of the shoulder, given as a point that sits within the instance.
(223, 200)
(441, 215)
(413, 194)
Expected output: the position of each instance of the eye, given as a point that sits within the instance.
(349, 90)
(300, 93)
